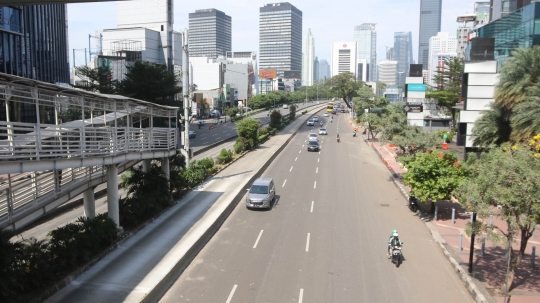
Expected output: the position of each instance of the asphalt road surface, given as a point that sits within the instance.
(325, 238)
(206, 136)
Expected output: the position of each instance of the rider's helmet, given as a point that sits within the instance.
(395, 234)
(394, 231)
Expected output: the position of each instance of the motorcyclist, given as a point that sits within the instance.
(354, 135)
(321, 123)
(393, 241)
(331, 119)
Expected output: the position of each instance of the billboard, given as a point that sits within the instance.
(416, 87)
(268, 73)
(292, 74)
(482, 49)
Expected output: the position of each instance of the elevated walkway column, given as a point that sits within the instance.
(166, 169)
(146, 164)
(112, 194)
(89, 203)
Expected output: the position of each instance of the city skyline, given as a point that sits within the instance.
(322, 19)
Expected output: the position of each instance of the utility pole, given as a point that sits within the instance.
(185, 92)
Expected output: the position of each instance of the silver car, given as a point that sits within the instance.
(261, 194)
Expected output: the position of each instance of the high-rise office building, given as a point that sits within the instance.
(280, 38)
(430, 25)
(366, 40)
(388, 72)
(390, 54)
(501, 8)
(403, 54)
(440, 47)
(34, 43)
(324, 70)
(316, 69)
(344, 58)
(309, 60)
(209, 33)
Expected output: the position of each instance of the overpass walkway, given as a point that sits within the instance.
(57, 142)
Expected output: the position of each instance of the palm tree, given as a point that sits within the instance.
(525, 120)
(519, 78)
(493, 127)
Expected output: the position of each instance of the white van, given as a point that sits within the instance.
(285, 106)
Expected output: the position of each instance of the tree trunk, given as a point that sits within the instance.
(432, 207)
(515, 259)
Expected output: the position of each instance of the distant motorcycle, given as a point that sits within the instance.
(338, 140)
(396, 255)
(413, 204)
(354, 134)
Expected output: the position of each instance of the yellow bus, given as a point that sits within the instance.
(330, 107)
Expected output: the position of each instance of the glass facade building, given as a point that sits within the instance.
(34, 43)
(209, 33)
(366, 47)
(520, 29)
(280, 38)
(430, 25)
(501, 8)
(402, 53)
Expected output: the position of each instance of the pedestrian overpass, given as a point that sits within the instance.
(58, 142)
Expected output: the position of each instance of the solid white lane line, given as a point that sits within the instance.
(284, 183)
(231, 294)
(307, 243)
(296, 159)
(290, 170)
(301, 295)
(315, 185)
(258, 238)
(312, 202)
(317, 170)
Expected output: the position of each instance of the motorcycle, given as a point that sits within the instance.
(354, 134)
(396, 255)
(338, 140)
(413, 205)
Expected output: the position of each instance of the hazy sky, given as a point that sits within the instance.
(330, 21)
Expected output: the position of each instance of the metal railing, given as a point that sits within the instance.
(27, 142)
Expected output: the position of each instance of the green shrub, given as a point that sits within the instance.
(263, 138)
(238, 146)
(263, 131)
(248, 131)
(292, 112)
(206, 163)
(273, 131)
(195, 174)
(225, 156)
(275, 118)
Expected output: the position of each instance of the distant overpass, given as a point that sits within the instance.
(33, 2)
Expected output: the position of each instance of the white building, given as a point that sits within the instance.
(308, 60)
(388, 72)
(366, 39)
(144, 31)
(251, 59)
(442, 43)
(437, 65)
(343, 58)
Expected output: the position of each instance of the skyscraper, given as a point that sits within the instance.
(316, 70)
(441, 47)
(403, 54)
(280, 37)
(34, 43)
(324, 69)
(430, 25)
(344, 58)
(501, 8)
(209, 33)
(309, 59)
(366, 40)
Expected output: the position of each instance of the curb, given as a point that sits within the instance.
(470, 284)
(163, 286)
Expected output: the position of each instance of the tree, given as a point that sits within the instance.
(292, 112)
(365, 99)
(275, 119)
(504, 183)
(345, 86)
(493, 127)
(525, 120)
(448, 84)
(519, 80)
(393, 121)
(434, 175)
(149, 82)
(248, 130)
(98, 80)
(413, 139)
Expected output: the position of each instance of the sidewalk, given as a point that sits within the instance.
(489, 270)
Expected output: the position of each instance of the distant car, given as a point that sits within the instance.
(192, 134)
(310, 122)
(325, 114)
(322, 131)
(313, 146)
(342, 110)
(313, 137)
(246, 109)
(315, 118)
(334, 111)
(285, 106)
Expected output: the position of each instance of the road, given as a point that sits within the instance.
(324, 239)
(206, 136)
